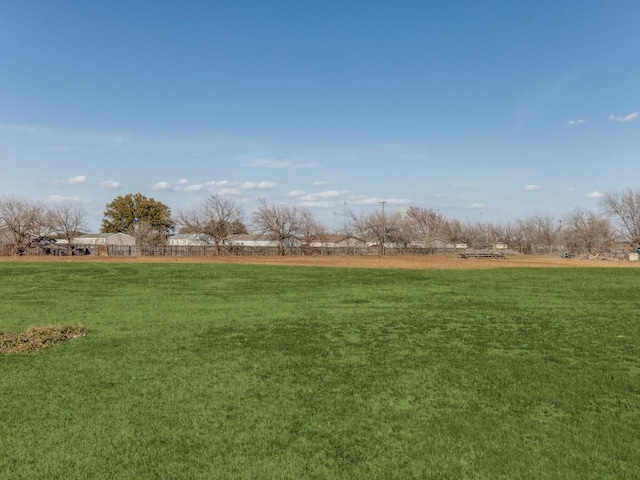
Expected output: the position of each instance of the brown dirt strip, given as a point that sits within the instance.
(415, 262)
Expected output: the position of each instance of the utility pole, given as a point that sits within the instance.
(384, 228)
(344, 220)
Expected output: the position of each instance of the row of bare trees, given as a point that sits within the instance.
(22, 221)
(579, 231)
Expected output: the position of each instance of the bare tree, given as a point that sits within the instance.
(376, 224)
(357, 227)
(427, 224)
(23, 219)
(505, 234)
(546, 232)
(377, 227)
(386, 228)
(310, 230)
(146, 233)
(67, 221)
(537, 234)
(280, 223)
(587, 232)
(624, 209)
(458, 232)
(217, 217)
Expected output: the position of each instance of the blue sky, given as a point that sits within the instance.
(485, 111)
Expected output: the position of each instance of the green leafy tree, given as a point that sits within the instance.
(148, 220)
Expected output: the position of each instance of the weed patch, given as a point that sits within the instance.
(38, 338)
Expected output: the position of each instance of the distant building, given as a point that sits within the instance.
(252, 240)
(105, 239)
(190, 239)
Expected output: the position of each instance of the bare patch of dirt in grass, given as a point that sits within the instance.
(415, 262)
(38, 338)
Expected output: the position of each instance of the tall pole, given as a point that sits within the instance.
(344, 219)
(384, 228)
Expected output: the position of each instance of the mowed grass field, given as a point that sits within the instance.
(195, 371)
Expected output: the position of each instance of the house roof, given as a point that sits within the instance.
(102, 235)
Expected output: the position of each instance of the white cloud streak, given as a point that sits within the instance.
(257, 185)
(577, 122)
(531, 188)
(594, 194)
(628, 118)
(161, 187)
(110, 184)
(77, 179)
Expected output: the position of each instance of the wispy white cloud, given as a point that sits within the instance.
(365, 201)
(65, 199)
(77, 179)
(316, 204)
(318, 198)
(257, 185)
(320, 183)
(161, 186)
(628, 118)
(398, 201)
(594, 194)
(530, 188)
(577, 122)
(219, 183)
(182, 181)
(328, 194)
(110, 184)
(477, 205)
(375, 201)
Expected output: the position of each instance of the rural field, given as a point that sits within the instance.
(323, 367)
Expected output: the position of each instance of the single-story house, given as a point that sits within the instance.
(437, 244)
(252, 240)
(336, 241)
(105, 239)
(190, 239)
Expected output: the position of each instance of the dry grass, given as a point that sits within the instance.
(38, 338)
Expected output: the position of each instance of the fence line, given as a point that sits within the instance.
(245, 250)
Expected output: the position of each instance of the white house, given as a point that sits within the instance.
(105, 239)
(191, 239)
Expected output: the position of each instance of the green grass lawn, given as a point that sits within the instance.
(270, 372)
